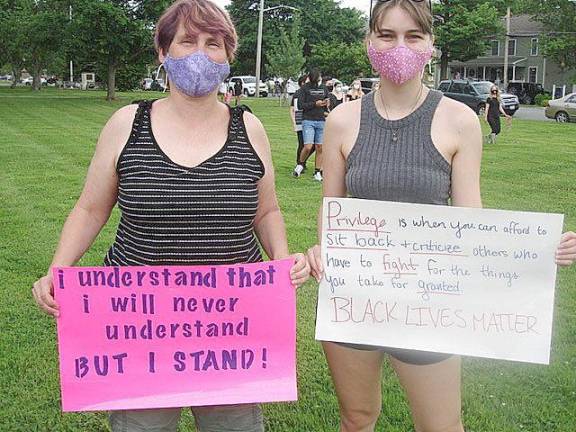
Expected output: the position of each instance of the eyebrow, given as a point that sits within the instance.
(386, 30)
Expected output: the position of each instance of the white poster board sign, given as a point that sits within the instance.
(464, 281)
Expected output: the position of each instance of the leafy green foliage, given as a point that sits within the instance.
(287, 59)
(464, 27)
(343, 61)
(31, 34)
(323, 21)
(542, 99)
(115, 35)
(559, 19)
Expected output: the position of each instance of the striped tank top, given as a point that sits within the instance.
(177, 215)
(397, 160)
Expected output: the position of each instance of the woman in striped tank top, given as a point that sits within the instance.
(407, 144)
(194, 182)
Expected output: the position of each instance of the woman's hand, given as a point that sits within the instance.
(315, 261)
(300, 271)
(566, 252)
(43, 291)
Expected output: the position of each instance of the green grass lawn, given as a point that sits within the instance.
(46, 142)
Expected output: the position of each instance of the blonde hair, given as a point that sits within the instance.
(356, 92)
(499, 94)
(419, 11)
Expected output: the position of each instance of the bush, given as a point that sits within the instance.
(542, 99)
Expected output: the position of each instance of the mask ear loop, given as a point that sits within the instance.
(158, 75)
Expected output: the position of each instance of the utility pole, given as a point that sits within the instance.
(259, 44)
(71, 63)
(370, 11)
(507, 49)
(259, 48)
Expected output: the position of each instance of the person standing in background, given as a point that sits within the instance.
(296, 115)
(337, 97)
(355, 92)
(492, 114)
(238, 87)
(314, 102)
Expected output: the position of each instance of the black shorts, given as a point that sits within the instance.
(413, 357)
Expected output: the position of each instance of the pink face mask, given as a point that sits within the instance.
(399, 64)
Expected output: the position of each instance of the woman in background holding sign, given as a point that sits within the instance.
(407, 144)
(194, 182)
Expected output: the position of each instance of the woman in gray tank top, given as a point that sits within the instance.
(407, 144)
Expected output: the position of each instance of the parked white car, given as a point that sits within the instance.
(291, 86)
(29, 81)
(248, 85)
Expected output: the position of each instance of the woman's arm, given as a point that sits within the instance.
(503, 112)
(334, 175)
(93, 208)
(467, 160)
(269, 223)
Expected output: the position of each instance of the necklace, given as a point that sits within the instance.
(395, 132)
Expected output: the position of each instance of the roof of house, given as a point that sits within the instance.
(524, 25)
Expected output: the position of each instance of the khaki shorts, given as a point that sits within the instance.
(225, 418)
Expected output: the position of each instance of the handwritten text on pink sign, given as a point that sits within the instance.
(152, 337)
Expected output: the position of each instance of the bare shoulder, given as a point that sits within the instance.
(117, 130)
(253, 123)
(256, 133)
(343, 116)
(456, 116)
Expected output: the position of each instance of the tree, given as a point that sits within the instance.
(116, 35)
(13, 16)
(462, 28)
(322, 21)
(559, 19)
(287, 59)
(343, 61)
(44, 34)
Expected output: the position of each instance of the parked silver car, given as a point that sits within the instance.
(563, 110)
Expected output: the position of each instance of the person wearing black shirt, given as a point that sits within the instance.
(238, 87)
(337, 97)
(296, 115)
(314, 102)
(492, 113)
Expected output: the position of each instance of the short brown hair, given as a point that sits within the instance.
(419, 11)
(201, 15)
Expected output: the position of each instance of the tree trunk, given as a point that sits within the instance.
(444, 66)
(16, 74)
(111, 95)
(36, 78)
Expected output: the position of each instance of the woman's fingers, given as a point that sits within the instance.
(315, 262)
(300, 272)
(43, 291)
(566, 252)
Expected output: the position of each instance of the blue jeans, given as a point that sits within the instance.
(313, 131)
(225, 418)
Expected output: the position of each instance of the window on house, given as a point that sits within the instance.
(534, 47)
(532, 74)
(512, 47)
(495, 47)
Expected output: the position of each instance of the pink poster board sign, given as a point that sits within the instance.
(159, 337)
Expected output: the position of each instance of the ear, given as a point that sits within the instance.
(161, 55)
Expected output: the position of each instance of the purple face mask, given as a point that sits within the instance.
(196, 75)
(399, 64)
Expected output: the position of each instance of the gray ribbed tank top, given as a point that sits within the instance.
(409, 169)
